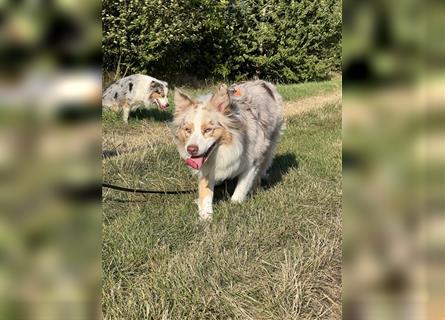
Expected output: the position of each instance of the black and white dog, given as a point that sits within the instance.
(133, 92)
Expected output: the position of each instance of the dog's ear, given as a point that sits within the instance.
(154, 85)
(220, 100)
(182, 101)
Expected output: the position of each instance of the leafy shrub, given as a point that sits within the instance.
(278, 40)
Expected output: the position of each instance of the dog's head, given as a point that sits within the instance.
(158, 94)
(200, 127)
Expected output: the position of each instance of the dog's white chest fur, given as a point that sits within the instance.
(227, 162)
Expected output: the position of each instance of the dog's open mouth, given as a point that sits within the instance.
(197, 162)
(160, 105)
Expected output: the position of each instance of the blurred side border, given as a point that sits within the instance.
(393, 159)
(50, 93)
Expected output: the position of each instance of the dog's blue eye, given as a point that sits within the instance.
(208, 130)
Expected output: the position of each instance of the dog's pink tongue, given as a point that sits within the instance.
(195, 163)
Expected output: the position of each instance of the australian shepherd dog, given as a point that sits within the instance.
(133, 92)
(232, 134)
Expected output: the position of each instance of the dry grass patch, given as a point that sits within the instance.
(309, 104)
(142, 138)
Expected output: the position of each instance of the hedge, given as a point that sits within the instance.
(278, 40)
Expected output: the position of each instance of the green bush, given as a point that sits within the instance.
(278, 40)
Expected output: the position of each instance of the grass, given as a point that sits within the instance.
(276, 256)
(301, 90)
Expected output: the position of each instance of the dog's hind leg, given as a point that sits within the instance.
(125, 111)
(244, 185)
(268, 159)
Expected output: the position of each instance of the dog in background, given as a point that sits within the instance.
(133, 92)
(234, 133)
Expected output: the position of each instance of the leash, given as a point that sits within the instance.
(142, 191)
(133, 190)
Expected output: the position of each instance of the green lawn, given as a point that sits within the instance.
(276, 256)
(301, 90)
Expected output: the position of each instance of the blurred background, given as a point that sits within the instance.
(50, 88)
(393, 159)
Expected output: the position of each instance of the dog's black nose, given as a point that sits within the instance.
(193, 149)
(167, 105)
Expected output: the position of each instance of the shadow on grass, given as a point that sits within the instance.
(154, 114)
(281, 165)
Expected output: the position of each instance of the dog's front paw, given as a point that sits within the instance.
(205, 215)
(236, 198)
(205, 209)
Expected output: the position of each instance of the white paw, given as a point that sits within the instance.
(205, 215)
(237, 198)
(205, 209)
